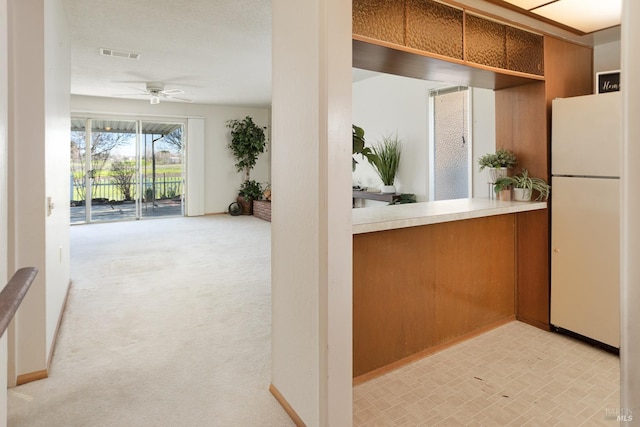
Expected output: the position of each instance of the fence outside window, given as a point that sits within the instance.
(104, 188)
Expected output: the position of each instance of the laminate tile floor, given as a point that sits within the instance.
(514, 375)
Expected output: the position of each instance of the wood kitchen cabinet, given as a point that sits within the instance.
(523, 125)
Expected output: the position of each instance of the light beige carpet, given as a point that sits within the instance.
(167, 324)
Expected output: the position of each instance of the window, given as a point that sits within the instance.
(125, 169)
(450, 144)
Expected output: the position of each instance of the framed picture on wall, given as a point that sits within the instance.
(608, 81)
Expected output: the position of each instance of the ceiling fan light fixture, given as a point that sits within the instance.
(155, 91)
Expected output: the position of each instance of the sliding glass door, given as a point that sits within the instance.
(162, 172)
(112, 173)
(125, 169)
(78, 175)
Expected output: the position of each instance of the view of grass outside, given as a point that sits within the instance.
(106, 184)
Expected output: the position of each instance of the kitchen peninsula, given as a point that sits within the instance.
(426, 275)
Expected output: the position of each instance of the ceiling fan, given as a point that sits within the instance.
(156, 91)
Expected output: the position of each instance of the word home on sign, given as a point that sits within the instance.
(608, 81)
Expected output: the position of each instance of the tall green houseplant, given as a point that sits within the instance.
(248, 141)
(386, 161)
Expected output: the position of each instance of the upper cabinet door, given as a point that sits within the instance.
(585, 135)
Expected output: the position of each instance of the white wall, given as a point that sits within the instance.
(311, 209)
(483, 136)
(385, 104)
(57, 89)
(3, 197)
(3, 378)
(630, 219)
(4, 146)
(606, 56)
(38, 167)
(221, 181)
(27, 170)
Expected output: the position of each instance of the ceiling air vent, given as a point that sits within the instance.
(119, 53)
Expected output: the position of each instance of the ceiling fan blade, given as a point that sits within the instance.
(140, 92)
(172, 91)
(131, 94)
(180, 99)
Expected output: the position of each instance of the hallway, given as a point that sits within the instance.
(167, 324)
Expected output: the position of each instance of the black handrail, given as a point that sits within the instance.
(12, 295)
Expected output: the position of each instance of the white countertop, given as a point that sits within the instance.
(367, 220)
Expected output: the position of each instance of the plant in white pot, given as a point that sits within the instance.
(498, 163)
(524, 186)
(385, 159)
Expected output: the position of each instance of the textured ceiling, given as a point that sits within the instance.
(217, 51)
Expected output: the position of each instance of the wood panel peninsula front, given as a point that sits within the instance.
(427, 275)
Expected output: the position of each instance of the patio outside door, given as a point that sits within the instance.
(125, 169)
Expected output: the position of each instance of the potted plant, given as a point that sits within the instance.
(358, 145)
(404, 198)
(250, 190)
(385, 160)
(248, 141)
(502, 188)
(498, 163)
(523, 186)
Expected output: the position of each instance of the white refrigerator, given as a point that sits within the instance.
(585, 211)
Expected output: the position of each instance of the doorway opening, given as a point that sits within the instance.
(126, 169)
